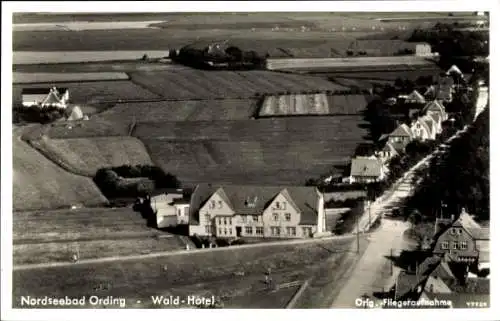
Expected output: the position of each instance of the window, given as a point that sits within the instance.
(288, 217)
(463, 245)
(248, 230)
(229, 221)
(445, 245)
(277, 205)
(220, 221)
(225, 231)
(207, 229)
(452, 231)
(230, 231)
(220, 204)
(307, 231)
(179, 213)
(275, 216)
(255, 218)
(225, 221)
(207, 218)
(275, 230)
(220, 231)
(459, 231)
(212, 204)
(455, 245)
(259, 230)
(291, 231)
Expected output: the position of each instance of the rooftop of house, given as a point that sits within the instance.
(252, 199)
(416, 96)
(401, 130)
(366, 167)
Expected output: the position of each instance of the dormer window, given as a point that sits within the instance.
(278, 205)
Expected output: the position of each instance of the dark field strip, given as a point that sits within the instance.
(157, 39)
(94, 91)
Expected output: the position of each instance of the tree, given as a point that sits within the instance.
(415, 218)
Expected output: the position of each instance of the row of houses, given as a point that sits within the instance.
(458, 269)
(425, 124)
(232, 211)
(45, 97)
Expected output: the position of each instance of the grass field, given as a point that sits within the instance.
(27, 78)
(183, 110)
(288, 149)
(94, 92)
(199, 273)
(197, 84)
(53, 236)
(54, 57)
(315, 104)
(40, 184)
(85, 156)
(78, 129)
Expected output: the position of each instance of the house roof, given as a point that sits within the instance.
(416, 96)
(402, 130)
(407, 283)
(304, 197)
(366, 166)
(435, 106)
(389, 148)
(73, 113)
(443, 271)
(454, 69)
(431, 91)
(436, 118)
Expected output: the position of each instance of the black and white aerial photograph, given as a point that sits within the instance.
(169, 159)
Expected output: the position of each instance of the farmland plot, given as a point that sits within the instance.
(183, 110)
(140, 279)
(53, 236)
(288, 150)
(41, 184)
(42, 77)
(94, 92)
(87, 155)
(82, 129)
(196, 84)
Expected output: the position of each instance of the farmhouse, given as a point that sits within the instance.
(421, 129)
(256, 211)
(387, 152)
(423, 50)
(435, 107)
(367, 170)
(463, 240)
(45, 97)
(415, 98)
(400, 137)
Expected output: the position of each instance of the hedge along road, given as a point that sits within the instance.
(182, 252)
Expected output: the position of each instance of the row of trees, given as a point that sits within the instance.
(133, 181)
(461, 179)
(36, 114)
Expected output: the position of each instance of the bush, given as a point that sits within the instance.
(122, 181)
(37, 115)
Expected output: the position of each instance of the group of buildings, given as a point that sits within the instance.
(232, 211)
(457, 271)
(426, 117)
(43, 98)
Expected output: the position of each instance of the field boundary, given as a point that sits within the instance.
(181, 252)
(297, 294)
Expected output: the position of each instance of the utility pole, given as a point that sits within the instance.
(392, 262)
(357, 234)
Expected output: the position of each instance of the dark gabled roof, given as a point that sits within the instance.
(304, 197)
(408, 283)
(402, 130)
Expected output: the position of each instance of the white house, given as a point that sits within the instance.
(423, 50)
(436, 107)
(415, 97)
(171, 209)
(45, 97)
